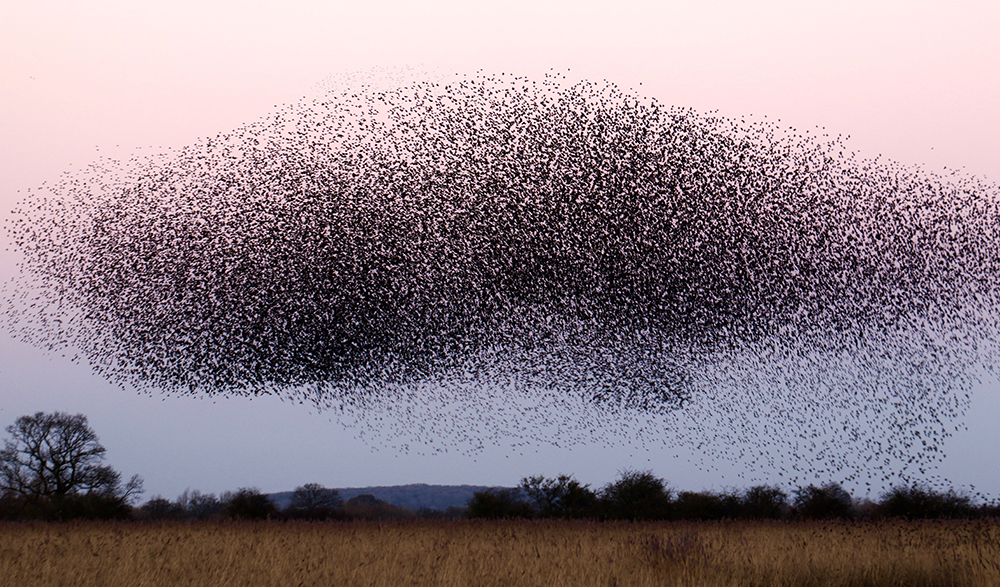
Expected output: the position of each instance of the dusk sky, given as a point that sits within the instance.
(915, 82)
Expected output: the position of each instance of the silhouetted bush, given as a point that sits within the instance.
(921, 503)
(87, 506)
(451, 513)
(248, 503)
(637, 495)
(704, 505)
(499, 503)
(8, 507)
(757, 503)
(160, 508)
(96, 506)
(369, 507)
(19, 508)
(822, 503)
(561, 497)
(763, 502)
(201, 506)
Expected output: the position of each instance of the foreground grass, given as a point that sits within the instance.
(911, 554)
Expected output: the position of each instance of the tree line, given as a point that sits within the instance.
(52, 468)
(311, 501)
(641, 495)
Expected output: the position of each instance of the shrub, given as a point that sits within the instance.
(763, 502)
(821, 503)
(919, 502)
(561, 497)
(248, 503)
(451, 513)
(200, 506)
(497, 503)
(369, 507)
(160, 508)
(637, 495)
(704, 505)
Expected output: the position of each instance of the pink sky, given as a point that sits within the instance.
(918, 82)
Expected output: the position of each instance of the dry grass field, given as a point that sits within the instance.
(469, 553)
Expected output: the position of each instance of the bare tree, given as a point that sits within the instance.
(198, 505)
(312, 501)
(51, 458)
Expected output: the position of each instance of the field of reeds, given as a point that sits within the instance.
(508, 553)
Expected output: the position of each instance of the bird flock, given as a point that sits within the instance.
(492, 258)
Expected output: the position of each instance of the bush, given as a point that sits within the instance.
(823, 503)
(704, 505)
(919, 502)
(86, 506)
(561, 497)
(451, 513)
(160, 508)
(499, 503)
(19, 508)
(637, 495)
(196, 505)
(369, 507)
(96, 506)
(763, 502)
(248, 503)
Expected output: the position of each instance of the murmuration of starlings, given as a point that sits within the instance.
(504, 241)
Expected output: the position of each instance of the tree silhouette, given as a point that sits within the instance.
(765, 502)
(918, 502)
(248, 503)
(499, 502)
(53, 465)
(561, 497)
(637, 495)
(313, 501)
(828, 501)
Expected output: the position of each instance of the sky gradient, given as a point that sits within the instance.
(915, 82)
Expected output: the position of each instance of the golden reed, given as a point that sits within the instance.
(504, 553)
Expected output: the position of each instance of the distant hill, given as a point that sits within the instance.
(414, 497)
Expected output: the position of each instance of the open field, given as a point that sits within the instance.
(896, 553)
